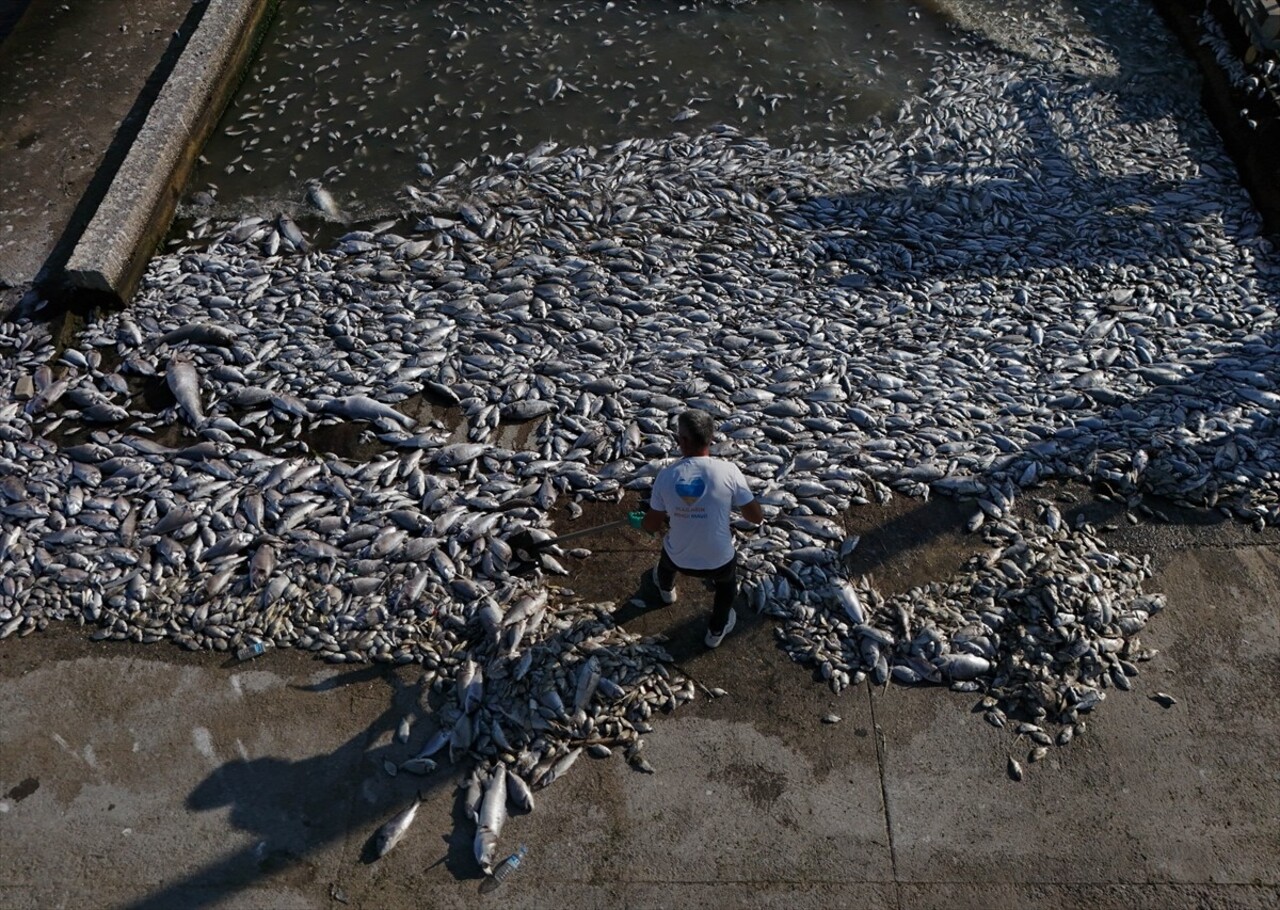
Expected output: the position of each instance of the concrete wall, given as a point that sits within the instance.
(135, 215)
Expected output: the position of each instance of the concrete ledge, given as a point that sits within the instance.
(1255, 151)
(111, 255)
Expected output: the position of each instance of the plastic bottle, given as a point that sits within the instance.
(251, 650)
(506, 867)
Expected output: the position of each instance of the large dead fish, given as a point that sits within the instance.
(493, 814)
(184, 382)
(362, 407)
(391, 833)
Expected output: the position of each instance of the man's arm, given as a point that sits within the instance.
(654, 521)
(752, 512)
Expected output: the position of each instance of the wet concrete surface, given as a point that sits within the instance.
(150, 777)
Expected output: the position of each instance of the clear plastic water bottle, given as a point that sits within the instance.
(505, 868)
(251, 650)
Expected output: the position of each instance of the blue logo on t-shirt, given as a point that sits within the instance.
(690, 484)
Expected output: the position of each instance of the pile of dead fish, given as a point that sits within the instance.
(1043, 624)
(1031, 275)
(532, 690)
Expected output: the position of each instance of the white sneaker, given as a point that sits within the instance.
(650, 594)
(713, 640)
(668, 597)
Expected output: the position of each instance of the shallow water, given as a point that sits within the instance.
(406, 90)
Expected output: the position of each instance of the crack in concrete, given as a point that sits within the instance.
(884, 797)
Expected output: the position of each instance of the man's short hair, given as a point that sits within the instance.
(696, 427)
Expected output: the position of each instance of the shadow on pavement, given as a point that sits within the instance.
(293, 808)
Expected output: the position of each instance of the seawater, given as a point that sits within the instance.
(369, 97)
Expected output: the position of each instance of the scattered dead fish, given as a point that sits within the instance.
(1015, 769)
(1164, 699)
(391, 833)
(418, 766)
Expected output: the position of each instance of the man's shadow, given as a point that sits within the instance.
(294, 808)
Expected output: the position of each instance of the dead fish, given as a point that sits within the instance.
(391, 833)
(484, 846)
(1164, 699)
(1015, 769)
(435, 743)
(470, 686)
(323, 200)
(461, 737)
(561, 765)
(184, 383)
(46, 397)
(831, 718)
(362, 407)
(525, 607)
(474, 794)
(418, 765)
(493, 814)
(640, 763)
(847, 596)
(518, 792)
(290, 231)
(963, 666)
(588, 680)
(493, 808)
(201, 333)
(262, 565)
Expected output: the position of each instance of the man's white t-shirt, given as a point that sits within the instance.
(698, 494)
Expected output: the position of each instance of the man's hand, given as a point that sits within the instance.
(653, 522)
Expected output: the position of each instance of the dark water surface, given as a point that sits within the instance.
(10, 12)
(371, 96)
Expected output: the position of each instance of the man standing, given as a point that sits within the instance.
(695, 495)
